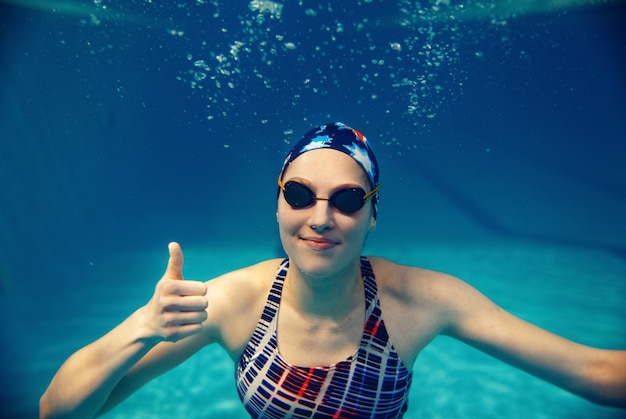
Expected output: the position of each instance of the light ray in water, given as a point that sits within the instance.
(95, 11)
(447, 11)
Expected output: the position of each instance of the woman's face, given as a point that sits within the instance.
(337, 240)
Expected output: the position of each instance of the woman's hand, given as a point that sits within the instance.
(178, 307)
(102, 374)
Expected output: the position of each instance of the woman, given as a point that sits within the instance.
(325, 333)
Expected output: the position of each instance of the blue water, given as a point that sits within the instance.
(125, 125)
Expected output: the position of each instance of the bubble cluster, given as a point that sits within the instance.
(400, 55)
(266, 8)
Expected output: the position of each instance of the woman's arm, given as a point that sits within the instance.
(155, 338)
(595, 374)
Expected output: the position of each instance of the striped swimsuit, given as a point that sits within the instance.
(373, 383)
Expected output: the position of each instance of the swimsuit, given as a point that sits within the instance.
(372, 383)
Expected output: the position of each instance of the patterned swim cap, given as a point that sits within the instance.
(338, 136)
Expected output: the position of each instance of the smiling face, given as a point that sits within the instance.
(336, 242)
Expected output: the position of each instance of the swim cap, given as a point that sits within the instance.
(338, 136)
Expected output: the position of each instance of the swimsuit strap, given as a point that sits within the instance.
(375, 332)
(369, 285)
(269, 312)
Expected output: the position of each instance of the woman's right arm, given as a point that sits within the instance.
(154, 339)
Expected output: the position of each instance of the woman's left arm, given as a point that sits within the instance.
(596, 374)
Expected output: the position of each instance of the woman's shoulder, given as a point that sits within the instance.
(413, 284)
(236, 301)
(391, 273)
(246, 280)
(414, 303)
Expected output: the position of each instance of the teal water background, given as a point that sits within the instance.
(125, 125)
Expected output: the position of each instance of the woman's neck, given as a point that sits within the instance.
(332, 297)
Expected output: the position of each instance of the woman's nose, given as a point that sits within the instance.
(321, 215)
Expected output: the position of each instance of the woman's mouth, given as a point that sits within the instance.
(319, 243)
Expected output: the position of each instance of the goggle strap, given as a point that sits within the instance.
(371, 193)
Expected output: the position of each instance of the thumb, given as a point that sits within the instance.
(174, 268)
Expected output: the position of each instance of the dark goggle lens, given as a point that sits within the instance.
(347, 200)
(298, 195)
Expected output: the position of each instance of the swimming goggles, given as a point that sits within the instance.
(346, 200)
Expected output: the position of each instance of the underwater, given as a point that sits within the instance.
(124, 125)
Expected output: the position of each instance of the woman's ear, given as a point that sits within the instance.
(372, 224)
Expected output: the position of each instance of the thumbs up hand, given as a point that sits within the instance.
(178, 307)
